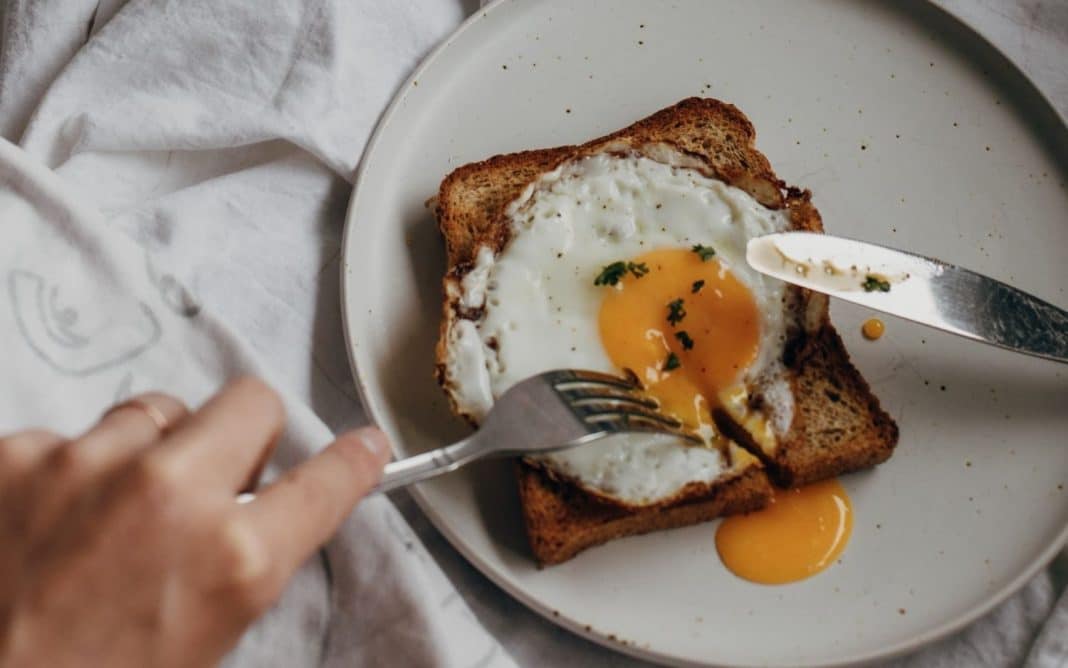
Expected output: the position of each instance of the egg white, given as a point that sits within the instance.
(538, 307)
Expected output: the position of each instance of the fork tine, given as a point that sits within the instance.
(577, 376)
(641, 421)
(609, 409)
(582, 395)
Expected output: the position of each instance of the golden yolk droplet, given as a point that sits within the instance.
(801, 533)
(713, 342)
(872, 329)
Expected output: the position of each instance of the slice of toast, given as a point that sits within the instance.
(562, 519)
(837, 424)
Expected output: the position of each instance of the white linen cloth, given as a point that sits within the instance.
(171, 216)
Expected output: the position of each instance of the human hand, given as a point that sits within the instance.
(126, 546)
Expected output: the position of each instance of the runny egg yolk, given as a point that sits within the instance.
(685, 351)
(799, 534)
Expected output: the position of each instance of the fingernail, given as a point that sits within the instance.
(375, 442)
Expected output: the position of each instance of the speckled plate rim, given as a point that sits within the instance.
(374, 409)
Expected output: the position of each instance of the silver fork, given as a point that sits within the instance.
(544, 413)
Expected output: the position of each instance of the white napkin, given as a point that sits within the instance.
(173, 218)
(189, 231)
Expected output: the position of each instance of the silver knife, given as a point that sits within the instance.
(922, 289)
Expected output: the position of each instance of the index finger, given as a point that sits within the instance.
(230, 437)
(301, 510)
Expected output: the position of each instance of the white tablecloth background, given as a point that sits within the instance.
(171, 205)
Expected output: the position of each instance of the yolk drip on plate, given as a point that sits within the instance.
(688, 327)
(801, 533)
(873, 329)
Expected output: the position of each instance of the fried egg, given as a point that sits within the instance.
(631, 260)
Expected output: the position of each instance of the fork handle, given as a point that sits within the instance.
(426, 465)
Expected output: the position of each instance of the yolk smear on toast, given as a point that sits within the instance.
(688, 328)
(799, 534)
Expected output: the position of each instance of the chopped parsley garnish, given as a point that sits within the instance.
(873, 283)
(611, 274)
(696, 287)
(685, 340)
(672, 362)
(676, 311)
(706, 253)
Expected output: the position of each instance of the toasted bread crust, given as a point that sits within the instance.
(827, 437)
(471, 199)
(562, 520)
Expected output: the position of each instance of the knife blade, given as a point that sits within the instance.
(918, 288)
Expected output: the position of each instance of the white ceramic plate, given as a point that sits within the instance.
(911, 131)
